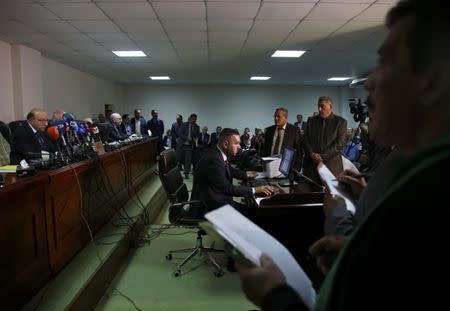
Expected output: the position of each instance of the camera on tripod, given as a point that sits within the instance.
(359, 109)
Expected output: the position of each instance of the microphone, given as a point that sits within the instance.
(53, 132)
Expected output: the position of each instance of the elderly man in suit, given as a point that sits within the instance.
(281, 134)
(31, 138)
(213, 175)
(325, 136)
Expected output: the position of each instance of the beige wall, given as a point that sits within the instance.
(6, 84)
(27, 80)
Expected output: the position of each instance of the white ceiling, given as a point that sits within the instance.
(202, 41)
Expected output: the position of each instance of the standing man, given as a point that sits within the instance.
(189, 133)
(156, 126)
(215, 136)
(282, 134)
(176, 126)
(203, 140)
(30, 138)
(325, 136)
(300, 123)
(213, 175)
(138, 124)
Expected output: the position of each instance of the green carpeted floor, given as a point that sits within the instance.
(145, 281)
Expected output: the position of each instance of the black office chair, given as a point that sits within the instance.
(15, 124)
(182, 212)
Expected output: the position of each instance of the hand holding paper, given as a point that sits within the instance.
(333, 186)
(252, 241)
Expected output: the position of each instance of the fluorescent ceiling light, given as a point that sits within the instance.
(159, 77)
(339, 78)
(281, 53)
(259, 78)
(129, 53)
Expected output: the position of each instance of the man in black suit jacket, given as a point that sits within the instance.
(215, 136)
(213, 175)
(288, 134)
(31, 138)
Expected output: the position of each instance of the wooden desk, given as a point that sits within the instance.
(296, 219)
(41, 217)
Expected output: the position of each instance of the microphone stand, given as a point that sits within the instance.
(307, 178)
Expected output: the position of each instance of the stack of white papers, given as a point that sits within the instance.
(251, 241)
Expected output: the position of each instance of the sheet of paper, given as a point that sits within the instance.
(349, 166)
(333, 185)
(8, 169)
(252, 241)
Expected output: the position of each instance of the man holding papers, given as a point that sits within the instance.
(213, 175)
(391, 259)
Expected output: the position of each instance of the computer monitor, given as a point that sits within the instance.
(287, 161)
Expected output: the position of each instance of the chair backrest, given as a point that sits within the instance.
(174, 186)
(15, 124)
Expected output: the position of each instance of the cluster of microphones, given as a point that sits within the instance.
(75, 139)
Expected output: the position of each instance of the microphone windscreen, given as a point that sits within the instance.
(81, 131)
(68, 117)
(53, 132)
(74, 125)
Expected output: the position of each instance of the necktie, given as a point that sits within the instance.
(227, 167)
(277, 142)
(40, 139)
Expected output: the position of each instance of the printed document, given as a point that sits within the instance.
(251, 241)
(333, 185)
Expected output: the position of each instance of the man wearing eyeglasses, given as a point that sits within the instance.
(30, 138)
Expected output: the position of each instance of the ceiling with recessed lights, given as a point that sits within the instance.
(202, 41)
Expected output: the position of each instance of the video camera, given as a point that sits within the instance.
(359, 109)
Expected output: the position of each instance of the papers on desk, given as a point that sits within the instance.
(333, 186)
(251, 241)
(8, 169)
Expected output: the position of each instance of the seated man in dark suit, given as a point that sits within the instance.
(115, 133)
(30, 139)
(213, 175)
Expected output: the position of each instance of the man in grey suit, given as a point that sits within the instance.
(324, 138)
